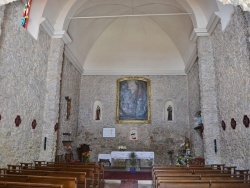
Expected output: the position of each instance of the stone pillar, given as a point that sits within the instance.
(2, 9)
(51, 107)
(197, 140)
(209, 104)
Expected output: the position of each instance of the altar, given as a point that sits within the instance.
(149, 155)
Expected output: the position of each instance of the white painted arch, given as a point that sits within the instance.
(86, 39)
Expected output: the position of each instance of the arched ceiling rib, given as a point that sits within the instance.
(90, 36)
(90, 29)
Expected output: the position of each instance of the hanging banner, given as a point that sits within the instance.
(26, 12)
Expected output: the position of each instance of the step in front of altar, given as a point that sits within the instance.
(124, 163)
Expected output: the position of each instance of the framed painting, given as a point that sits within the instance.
(133, 101)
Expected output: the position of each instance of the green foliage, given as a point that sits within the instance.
(132, 159)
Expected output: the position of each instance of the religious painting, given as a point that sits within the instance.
(133, 101)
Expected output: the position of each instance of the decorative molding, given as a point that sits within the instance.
(73, 59)
(134, 72)
(203, 32)
(62, 35)
(191, 60)
(47, 26)
(212, 22)
(18, 121)
(55, 33)
(246, 121)
(233, 123)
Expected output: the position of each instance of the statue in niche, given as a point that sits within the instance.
(187, 143)
(98, 113)
(68, 107)
(170, 111)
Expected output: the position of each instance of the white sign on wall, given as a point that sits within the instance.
(109, 132)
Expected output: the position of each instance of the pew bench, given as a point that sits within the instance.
(28, 185)
(203, 184)
(67, 182)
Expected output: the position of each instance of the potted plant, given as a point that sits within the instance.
(132, 161)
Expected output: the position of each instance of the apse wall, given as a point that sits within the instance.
(231, 56)
(23, 69)
(160, 136)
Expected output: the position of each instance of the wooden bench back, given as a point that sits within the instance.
(27, 185)
(67, 182)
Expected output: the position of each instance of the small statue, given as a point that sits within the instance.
(68, 107)
(169, 109)
(98, 113)
(187, 143)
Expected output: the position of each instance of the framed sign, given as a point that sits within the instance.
(133, 101)
(108, 132)
(133, 134)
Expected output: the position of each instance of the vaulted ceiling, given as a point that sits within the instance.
(133, 36)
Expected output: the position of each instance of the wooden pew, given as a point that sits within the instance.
(229, 169)
(81, 176)
(67, 182)
(90, 178)
(27, 185)
(98, 168)
(198, 177)
(26, 165)
(40, 163)
(183, 184)
(203, 184)
(230, 184)
(3, 170)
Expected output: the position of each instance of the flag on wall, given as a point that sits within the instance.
(26, 13)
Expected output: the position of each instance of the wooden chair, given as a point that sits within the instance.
(218, 166)
(229, 169)
(26, 165)
(12, 168)
(3, 170)
(40, 163)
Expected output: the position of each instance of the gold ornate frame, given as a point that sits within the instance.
(134, 120)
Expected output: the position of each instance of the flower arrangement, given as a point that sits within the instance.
(179, 160)
(186, 160)
(182, 160)
(85, 157)
(122, 148)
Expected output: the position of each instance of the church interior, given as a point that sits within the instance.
(168, 77)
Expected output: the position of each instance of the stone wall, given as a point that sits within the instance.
(70, 86)
(23, 68)
(160, 136)
(231, 53)
(194, 106)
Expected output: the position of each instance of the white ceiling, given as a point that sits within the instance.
(131, 45)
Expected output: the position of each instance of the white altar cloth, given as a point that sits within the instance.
(125, 155)
(104, 156)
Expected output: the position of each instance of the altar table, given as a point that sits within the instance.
(149, 155)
